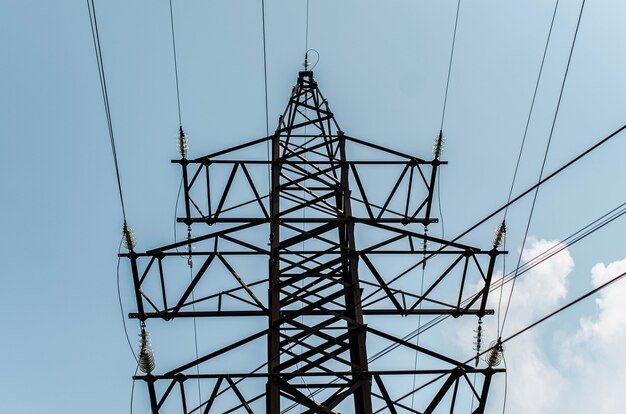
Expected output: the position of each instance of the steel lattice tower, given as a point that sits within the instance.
(338, 229)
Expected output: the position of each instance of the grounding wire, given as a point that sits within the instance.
(525, 134)
(543, 164)
(95, 34)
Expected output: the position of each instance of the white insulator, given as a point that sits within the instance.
(493, 357)
(182, 143)
(499, 235)
(146, 356)
(438, 145)
(128, 237)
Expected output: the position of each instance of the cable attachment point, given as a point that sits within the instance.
(493, 357)
(479, 335)
(182, 143)
(146, 356)
(128, 236)
(499, 235)
(439, 145)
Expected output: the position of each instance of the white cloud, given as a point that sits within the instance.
(593, 355)
(581, 370)
(535, 385)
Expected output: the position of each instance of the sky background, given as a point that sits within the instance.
(383, 67)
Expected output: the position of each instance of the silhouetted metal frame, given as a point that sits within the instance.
(333, 268)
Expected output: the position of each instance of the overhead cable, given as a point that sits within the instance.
(543, 164)
(180, 122)
(95, 34)
(521, 149)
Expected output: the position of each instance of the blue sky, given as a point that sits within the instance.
(383, 67)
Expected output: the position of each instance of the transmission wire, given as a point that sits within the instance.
(95, 34)
(545, 157)
(528, 118)
(445, 99)
(443, 111)
(180, 122)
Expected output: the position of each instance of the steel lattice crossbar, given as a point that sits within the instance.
(348, 241)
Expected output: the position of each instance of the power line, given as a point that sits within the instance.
(445, 99)
(95, 34)
(532, 105)
(545, 157)
(564, 307)
(443, 113)
(563, 244)
(516, 199)
(530, 112)
(544, 180)
(180, 122)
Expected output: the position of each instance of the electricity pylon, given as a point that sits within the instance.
(330, 234)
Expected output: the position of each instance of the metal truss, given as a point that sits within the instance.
(348, 241)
